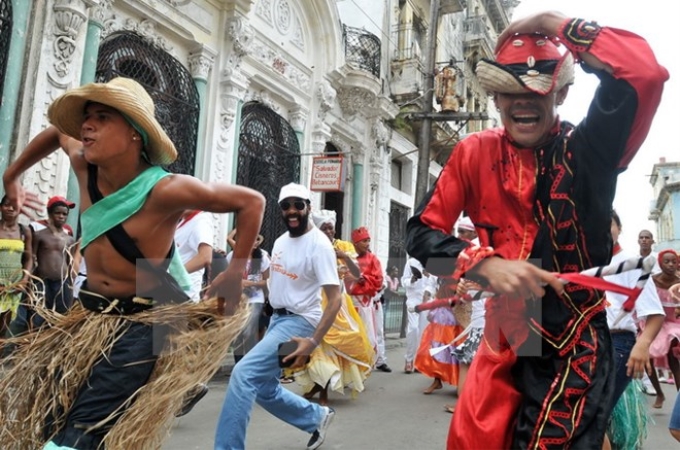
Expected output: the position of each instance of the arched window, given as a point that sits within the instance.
(268, 158)
(168, 82)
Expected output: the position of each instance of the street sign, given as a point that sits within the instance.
(328, 174)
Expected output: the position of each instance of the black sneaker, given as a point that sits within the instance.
(320, 433)
(191, 398)
(384, 368)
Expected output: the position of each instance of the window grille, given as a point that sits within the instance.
(5, 38)
(362, 50)
(167, 81)
(268, 158)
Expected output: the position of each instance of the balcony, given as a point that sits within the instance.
(406, 68)
(451, 6)
(478, 37)
(498, 11)
(362, 50)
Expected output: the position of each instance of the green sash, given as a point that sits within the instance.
(120, 206)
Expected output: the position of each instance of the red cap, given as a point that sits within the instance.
(57, 199)
(360, 234)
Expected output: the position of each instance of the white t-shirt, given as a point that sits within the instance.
(299, 267)
(647, 303)
(657, 267)
(188, 236)
(255, 294)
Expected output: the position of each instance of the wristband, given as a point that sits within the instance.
(578, 35)
(311, 338)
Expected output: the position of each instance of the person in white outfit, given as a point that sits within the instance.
(378, 301)
(194, 242)
(420, 286)
(631, 351)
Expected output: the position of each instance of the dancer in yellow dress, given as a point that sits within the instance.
(345, 356)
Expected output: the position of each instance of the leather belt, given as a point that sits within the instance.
(127, 305)
(283, 312)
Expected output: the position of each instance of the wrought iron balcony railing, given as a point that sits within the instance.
(362, 50)
(477, 32)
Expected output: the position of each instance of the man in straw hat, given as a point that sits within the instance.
(130, 209)
(540, 188)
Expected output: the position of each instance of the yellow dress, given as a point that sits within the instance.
(345, 357)
(11, 272)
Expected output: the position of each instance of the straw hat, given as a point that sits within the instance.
(123, 94)
(527, 63)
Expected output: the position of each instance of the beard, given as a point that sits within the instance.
(301, 228)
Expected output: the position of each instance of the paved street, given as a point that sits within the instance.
(391, 414)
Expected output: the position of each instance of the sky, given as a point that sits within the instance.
(652, 20)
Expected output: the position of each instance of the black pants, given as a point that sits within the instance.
(581, 383)
(112, 382)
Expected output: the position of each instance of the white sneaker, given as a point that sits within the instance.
(648, 389)
(320, 433)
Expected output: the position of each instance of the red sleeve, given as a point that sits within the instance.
(429, 236)
(632, 61)
(373, 275)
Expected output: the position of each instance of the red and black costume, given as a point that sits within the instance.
(553, 204)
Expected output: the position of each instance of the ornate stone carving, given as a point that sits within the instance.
(355, 99)
(283, 16)
(298, 37)
(240, 36)
(233, 88)
(374, 180)
(68, 17)
(320, 135)
(178, 2)
(264, 10)
(340, 143)
(326, 96)
(264, 98)
(358, 154)
(145, 28)
(277, 62)
(201, 63)
(101, 12)
(297, 117)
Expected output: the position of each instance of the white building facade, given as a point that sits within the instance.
(251, 91)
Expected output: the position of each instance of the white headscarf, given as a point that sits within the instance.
(323, 216)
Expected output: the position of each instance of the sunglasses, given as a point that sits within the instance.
(298, 204)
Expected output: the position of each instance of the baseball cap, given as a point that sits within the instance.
(57, 199)
(294, 190)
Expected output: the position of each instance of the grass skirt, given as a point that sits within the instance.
(46, 372)
(628, 425)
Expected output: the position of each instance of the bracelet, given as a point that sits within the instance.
(311, 338)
